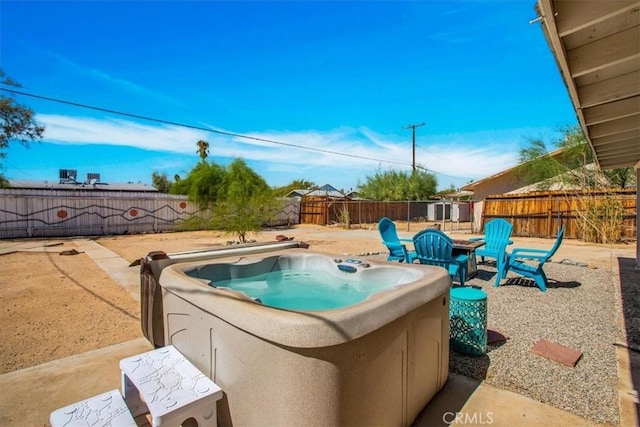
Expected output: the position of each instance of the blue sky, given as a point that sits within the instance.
(337, 76)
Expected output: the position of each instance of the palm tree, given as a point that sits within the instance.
(203, 149)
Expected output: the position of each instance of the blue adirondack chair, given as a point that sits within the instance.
(433, 247)
(496, 233)
(397, 250)
(516, 261)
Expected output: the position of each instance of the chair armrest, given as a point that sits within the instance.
(406, 240)
(461, 258)
(475, 239)
(528, 253)
(527, 250)
(392, 244)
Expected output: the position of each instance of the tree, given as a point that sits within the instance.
(572, 167)
(203, 149)
(239, 198)
(203, 184)
(242, 183)
(446, 191)
(247, 202)
(161, 182)
(422, 185)
(17, 122)
(399, 185)
(296, 184)
(622, 178)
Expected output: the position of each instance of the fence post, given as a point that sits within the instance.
(549, 215)
(29, 219)
(408, 215)
(326, 212)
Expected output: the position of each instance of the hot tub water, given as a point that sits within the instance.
(309, 290)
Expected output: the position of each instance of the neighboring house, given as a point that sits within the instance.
(563, 182)
(502, 182)
(68, 181)
(75, 186)
(459, 195)
(354, 195)
(499, 183)
(325, 192)
(68, 208)
(296, 194)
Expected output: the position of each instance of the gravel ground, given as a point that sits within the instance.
(577, 311)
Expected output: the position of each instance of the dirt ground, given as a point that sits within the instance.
(56, 305)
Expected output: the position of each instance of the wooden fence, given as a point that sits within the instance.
(59, 213)
(321, 211)
(541, 214)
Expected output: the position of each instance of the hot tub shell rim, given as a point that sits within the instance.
(313, 328)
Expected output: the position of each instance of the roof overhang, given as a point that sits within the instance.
(596, 44)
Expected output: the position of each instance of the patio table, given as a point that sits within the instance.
(468, 247)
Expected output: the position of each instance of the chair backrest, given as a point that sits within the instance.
(387, 230)
(496, 233)
(556, 245)
(433, 247)
(389, 235)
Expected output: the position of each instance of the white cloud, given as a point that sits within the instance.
(87, 130)
(456, 157)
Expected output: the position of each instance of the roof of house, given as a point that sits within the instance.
(334, 194)
(562, 182)
(324, 191)
(296, 193)
(596, 46)
(470, 186)
(74, 186)
(458, 194)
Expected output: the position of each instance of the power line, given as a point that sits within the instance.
(236, 135)
(152, 119)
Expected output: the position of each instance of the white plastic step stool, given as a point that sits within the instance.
(165, 384)
(105, 410)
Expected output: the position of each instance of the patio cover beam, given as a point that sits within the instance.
(596, 45)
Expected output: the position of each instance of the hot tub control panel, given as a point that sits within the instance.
(350, 265)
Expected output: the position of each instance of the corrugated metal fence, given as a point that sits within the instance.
(51, 213)
(541, 214)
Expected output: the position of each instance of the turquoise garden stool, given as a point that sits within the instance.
(468, 321)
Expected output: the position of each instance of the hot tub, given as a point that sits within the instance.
(376, 362)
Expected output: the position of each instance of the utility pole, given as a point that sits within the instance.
(413, 131)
